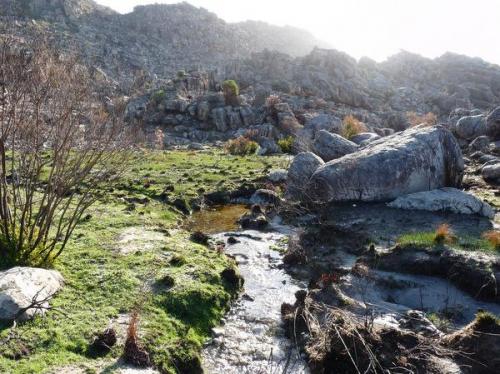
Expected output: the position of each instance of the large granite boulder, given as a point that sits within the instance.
(302, 168)
(445, 199)
(22, 287)
(418, 159)
(330, 146)
(471, 127)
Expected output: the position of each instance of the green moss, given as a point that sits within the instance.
(102, 284)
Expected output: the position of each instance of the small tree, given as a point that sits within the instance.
(58, 145)
(231, 92)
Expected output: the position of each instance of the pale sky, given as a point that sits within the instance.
(374, 28)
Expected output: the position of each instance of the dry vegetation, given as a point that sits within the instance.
(241, 146)
(351, 126)
(414, 119)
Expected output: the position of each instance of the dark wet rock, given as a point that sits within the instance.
(302, 168)
(365, 138)
(493, 124)
(481, 143)
(182, 205)
(233, 278)
(330, 146)
(200, 238)
(491, 172)
(232, 240)
(471, 127)
(217, 198)
(256, 219)
(265, 197)
(103, 343)
(418, 159)
(474, 273)
(445, 199)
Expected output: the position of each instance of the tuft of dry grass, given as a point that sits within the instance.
(414, 119)
(493, 237)
(351, 126)
(134, 353)
(444, 234)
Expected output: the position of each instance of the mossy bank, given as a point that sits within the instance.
(131, 253)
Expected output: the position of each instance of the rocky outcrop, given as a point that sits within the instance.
(418, 159)
(446, 200)
(26, 292)
(330, 146)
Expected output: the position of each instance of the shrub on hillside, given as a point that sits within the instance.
(231, 92)
(286, 144)
(241, 146)
(414, 119)
(351, 126)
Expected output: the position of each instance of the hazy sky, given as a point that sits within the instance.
(374, 28)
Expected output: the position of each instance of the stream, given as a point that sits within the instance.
(251, 337)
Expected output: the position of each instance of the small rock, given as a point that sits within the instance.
(444, 199)
(20, 287)
(277, 175)
(265, 197)
(331, 146)
(199, 238)
(481, 143)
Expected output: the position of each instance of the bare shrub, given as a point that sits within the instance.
(59, 143)
(351, 126)
(414, 119)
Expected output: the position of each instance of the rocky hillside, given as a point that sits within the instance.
(157, 39)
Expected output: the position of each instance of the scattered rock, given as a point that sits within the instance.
(200, 238)
(365, 138)
(256, 219)
(471, 127)
(418, 159)
(481, 143)
(491, 172)
(330, 146)
(233, 278)
(265, 197)
(302, 168)
(277, 175)
(493, 124)
(26, 292)
(446, 199)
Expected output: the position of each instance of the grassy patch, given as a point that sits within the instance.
(176, 283)
(428, 240)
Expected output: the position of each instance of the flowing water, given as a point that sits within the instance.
(251, 338)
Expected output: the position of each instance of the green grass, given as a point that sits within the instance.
(176, 284)
(427, 240)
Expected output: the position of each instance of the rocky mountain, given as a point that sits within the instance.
(156, 39)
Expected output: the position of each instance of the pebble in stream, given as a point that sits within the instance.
(251, 339)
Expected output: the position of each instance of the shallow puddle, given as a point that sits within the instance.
(217, 219)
